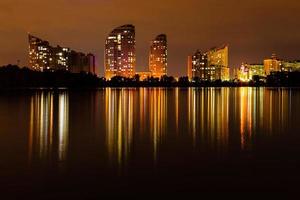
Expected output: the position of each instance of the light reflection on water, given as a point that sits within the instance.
(48, 127)
(137, 121)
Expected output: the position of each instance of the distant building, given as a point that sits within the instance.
(158, 57)
(190, 67)
(144, 75)
(44, 57)
(272, 64)
(247, 71)
(92, 63)
(120, 57)
(290, 66)
(209, 66)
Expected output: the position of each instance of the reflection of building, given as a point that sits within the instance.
(63, 126)
(247, 71)
(119, 124)
(45, 141)
(209, 66)
(43, 57)
(41, 126)
(158, 117)
(204, 124)
(120, 58)
(158, 56)
(272, 65)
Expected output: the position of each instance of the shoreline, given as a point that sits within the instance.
(140, 87)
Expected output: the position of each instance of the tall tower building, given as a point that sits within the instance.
(120, 58)
(158, 58)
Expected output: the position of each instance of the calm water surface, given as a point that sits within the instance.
(110, 142)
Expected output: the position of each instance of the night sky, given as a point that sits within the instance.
(254, 29)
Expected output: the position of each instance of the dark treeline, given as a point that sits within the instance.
(14, 77)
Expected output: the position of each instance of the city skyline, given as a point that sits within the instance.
(246, 28)
(120, 60)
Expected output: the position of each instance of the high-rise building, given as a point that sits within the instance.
(272, 64)
(158, 57)
(39, 53)
(209, 66)
(120, 58)
(44, 57)
(200, 66)
(218, 62)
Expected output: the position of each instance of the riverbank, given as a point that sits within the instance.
(13, 77)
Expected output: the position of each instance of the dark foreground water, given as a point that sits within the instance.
(149, 142)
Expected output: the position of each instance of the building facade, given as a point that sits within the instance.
(219, 63)
(272, 64)
(43, 57)
(39, 54)
(190, 67)
(200, 66)
(290, 66)
(209, 66)
(120, 56)
(158, 56)
(247, 71)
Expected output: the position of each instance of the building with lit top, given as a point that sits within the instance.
(43, 57)
(158, 56)
(120, 57)
(272, 64)
(209, 66)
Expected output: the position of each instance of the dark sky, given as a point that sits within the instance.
(254, 29)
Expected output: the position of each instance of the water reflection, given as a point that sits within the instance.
(158, 117)
(63, 126)
(213, 118)
(147, 122)
(208, 116)
(48, 138)
(262, 111)
(119, 123)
